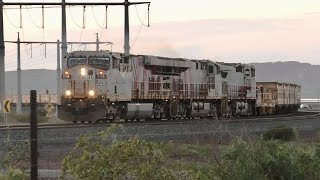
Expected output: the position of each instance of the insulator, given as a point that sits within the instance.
(84, 19)
(20, 16)
(149, 15)
(42, 17)
(106, 17)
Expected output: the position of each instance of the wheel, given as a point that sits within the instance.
(82, 121)
(74, 121)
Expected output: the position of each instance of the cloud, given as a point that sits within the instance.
(228, 40)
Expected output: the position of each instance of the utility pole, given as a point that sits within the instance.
(58, 75)
(19, 96)
(97, 40)
(2, 68)
(126, 29)
(33, 135)
(64, 47)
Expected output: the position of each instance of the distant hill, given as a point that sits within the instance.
(304, 74)
(37, 79)
(307, 75)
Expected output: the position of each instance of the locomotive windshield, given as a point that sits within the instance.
(72, 61)
(103, 62)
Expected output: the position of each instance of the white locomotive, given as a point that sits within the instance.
(104, 85)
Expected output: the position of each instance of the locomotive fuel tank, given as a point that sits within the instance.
(200, 109)
(139, 110)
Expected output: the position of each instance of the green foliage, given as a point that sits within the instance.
(281, 132)
(270, 160)
(14, 174)
(102, 157)
(17, 156)
(98, 158)
(26, 118)
(41, 112)
(15, 162)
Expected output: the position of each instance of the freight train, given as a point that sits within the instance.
(105, 85)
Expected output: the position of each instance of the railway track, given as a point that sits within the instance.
(287, 117)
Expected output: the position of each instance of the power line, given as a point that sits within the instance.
(5, 12)
(94, 16)
(73, 18)
(142, 22)
(32, 20)
(32, 7)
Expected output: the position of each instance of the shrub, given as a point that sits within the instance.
(101, 157)
(270, 160)
(26, 118)
(14, 174)
(15, 163)
(42, 112)
(281, 132)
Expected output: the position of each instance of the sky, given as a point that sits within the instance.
(230, 30)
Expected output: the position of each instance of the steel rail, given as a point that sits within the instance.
(293, 117)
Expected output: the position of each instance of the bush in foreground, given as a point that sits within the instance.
(270, 160)
(25, 118)
(281, 132)
(14, 174)
(98, 157)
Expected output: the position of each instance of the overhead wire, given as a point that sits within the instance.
(106, 24)
(32, 61)
(40, 57)
(34, 7)
(73, 18)
(138, 34)
(32, 21)
(80, 39)
(142, 22)
(5, 12)
(95, 19)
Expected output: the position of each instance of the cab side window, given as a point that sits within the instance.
(210, 69)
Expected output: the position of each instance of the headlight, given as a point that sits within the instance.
(68, 92)
(91, 92)
(83, 71)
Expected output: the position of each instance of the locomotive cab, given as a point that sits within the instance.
(84, 84)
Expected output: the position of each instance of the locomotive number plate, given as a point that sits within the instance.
(64, 76)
